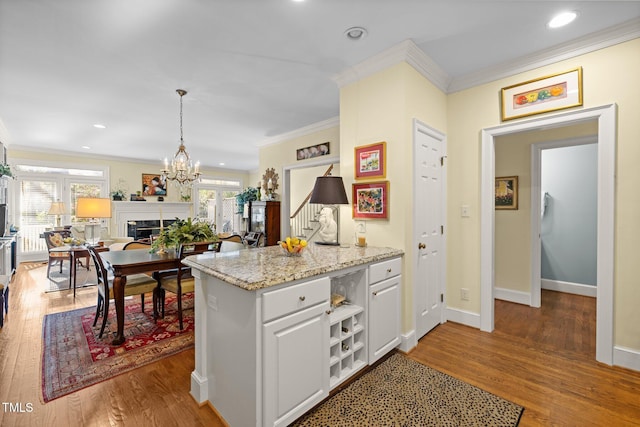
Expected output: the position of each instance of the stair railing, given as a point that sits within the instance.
(303, 219)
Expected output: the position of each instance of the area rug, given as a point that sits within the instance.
(60, 281)
(402, 392)
(73, 357)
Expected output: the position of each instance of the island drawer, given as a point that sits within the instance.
(293, 298)
(385, 269)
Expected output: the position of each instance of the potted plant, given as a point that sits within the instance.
(120, 191)
(185, 231)
(5, 170)
(248, 195)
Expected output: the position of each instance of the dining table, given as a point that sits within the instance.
(127, 262)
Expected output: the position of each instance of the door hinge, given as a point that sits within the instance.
(441, 297)
(442, 229)
(442, 160)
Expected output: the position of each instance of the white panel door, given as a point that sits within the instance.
(429, 228)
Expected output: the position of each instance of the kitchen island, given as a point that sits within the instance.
(269, 345)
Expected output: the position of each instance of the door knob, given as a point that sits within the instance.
(422, 246)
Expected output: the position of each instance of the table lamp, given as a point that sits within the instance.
(93, 208)
(328, 190)
(57, 209)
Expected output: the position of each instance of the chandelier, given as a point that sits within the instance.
(182, 172)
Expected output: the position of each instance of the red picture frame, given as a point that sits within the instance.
(370, 200)
(371, 161)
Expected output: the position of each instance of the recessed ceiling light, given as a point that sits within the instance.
(222, 163)
(355, 33)
(86, 147)
(562, 19)
(99, 126)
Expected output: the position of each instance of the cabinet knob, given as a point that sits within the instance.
(375, 294)
(422, 246)
(388, 270)
(302, 298)
(328, 312)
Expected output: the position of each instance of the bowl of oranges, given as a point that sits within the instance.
(293, 246)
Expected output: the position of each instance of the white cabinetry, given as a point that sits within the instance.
(296, 350)
(384, 307)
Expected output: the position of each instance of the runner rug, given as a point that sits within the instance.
(73, 357)
(402, 392)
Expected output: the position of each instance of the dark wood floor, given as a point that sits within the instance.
(542, 359)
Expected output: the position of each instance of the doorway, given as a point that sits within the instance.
(606, 119)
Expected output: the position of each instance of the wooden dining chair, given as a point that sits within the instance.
(181, 281)
(137, 284)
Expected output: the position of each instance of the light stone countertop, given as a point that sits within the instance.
(259, 268)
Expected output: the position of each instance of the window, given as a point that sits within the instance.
(216, 201)
(39, 186)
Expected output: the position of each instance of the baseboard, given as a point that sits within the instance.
(510, 295)
(569, 288)
(463, 317)
(199, 388)
(408, 341)
(626, 357)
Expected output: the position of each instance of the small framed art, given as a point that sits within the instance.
(507, 192)
(550, 93)
(370, 161)
(371, 200)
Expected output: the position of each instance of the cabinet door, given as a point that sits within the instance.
(295, 364)
(384, 317)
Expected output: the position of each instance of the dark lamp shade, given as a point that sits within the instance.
(329, 190)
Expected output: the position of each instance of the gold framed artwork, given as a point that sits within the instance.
(506, 192)
(549, 93)
(371, 161)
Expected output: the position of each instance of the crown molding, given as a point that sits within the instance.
(304, 131)
(406, 51)
(409, 52)
(581, 46)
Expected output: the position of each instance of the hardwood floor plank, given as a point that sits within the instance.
(542, 359)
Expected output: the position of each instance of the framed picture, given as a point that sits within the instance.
(371, 200)
(371, 161)
(507, 192)
(542, 95)
(312, 151)
(153, 185)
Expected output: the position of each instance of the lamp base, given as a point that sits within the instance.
(92, 233)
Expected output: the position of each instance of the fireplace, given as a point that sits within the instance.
(139, 213)
(143, 229)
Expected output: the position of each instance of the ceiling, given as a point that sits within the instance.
(254, 69)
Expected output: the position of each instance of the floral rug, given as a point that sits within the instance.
(73, 357)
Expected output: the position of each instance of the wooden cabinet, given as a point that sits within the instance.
(296, 351)
(264, 217)
(384, 308)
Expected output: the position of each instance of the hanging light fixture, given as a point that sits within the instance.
(182, 172)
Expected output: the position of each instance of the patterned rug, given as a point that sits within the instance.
(73, 356)
(60, 281)
(402, 392)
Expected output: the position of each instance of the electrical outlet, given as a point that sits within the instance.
(464, 294)
(464, 211)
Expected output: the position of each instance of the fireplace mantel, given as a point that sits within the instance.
(132, 211)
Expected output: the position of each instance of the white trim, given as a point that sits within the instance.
(463, 317)
(626, 357)
(569, 288)
(519, 297)
(606, 116)
(536, 221)
(408, 341)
